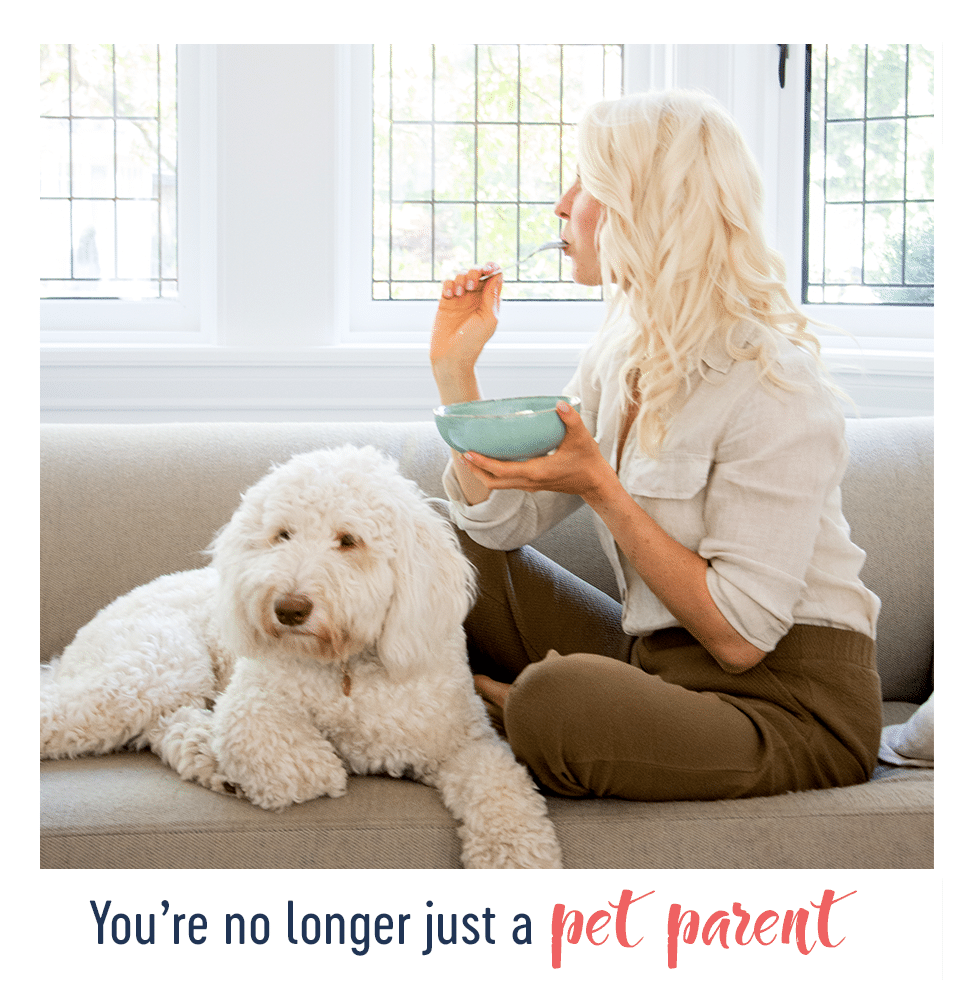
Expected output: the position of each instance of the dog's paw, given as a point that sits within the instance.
(183, 740)
(294, 788)
(536, 852)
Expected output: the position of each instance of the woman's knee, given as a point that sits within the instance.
(547, 718)
(552, 684)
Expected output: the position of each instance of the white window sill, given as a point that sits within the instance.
(106, 383)
(411, 349)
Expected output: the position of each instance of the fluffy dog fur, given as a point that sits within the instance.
(325, 638)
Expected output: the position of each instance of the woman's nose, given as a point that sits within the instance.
(564, 206)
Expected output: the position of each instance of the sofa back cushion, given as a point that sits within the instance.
(888, 494)
(124, 503)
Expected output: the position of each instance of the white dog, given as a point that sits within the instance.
(325, 638)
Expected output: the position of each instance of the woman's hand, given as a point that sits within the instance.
(576, 466)
(467, 316)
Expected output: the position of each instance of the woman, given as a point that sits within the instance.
(710, 447)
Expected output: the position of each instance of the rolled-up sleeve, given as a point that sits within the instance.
(508, 519)
(775, 473)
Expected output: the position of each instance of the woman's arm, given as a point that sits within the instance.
(467, 316)
(675, 574)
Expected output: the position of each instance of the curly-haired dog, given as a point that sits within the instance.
(325, 638)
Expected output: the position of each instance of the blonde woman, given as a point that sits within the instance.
(710, 447)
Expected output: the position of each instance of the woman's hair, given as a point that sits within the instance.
(681, 245)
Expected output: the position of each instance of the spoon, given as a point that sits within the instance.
(541, 248)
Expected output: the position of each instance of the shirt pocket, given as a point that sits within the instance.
(676, 476)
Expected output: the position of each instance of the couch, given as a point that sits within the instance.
(122, 504)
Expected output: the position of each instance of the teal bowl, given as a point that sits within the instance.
(506, 429)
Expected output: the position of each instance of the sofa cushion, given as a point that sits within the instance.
(129, 811)
(123, 503)
(888, 494)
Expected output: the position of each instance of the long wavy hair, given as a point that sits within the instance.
(681, 243)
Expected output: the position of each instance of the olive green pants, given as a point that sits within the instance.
(594, 712)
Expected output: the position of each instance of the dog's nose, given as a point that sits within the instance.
(293, 609)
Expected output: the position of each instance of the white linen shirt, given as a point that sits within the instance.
(748, 478)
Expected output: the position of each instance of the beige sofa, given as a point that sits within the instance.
(121, 504)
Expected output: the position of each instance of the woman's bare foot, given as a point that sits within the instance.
(488, 688)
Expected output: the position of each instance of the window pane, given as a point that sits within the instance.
(921, 80)
(411, 176)
(381, 238)
(498, 83)
(844, 237)
(137, 239)
(55, 157)
(612, 69)
(886, 80)
(411, 77)
(845, 75)
(453, 238)
(454, 94)
(885, 159)
(136, 76)
(92, 227)
(920, 161)
(540, 153)
(869, 151)
(55, 238)
(454, 156)
(108, 135)
(92, 79)
(884, 225)
(469, 144)
(168, 237)
(410, 247)
(92, 158)
(845, 161)
(137, 158)
(497, 233)
(497, 162)
(540, 83)
(55, 84)
(583, 79)
(919, 243)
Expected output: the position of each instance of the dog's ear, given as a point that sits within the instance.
(433, 592)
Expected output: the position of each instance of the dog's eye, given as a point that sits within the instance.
(348, 541)
(283, 535)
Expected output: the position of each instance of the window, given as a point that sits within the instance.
(472, 147)
(275, 315)
(127, 201)
(869, 231)
(108, 179)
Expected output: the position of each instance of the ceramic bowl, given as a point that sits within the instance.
(507, 429)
